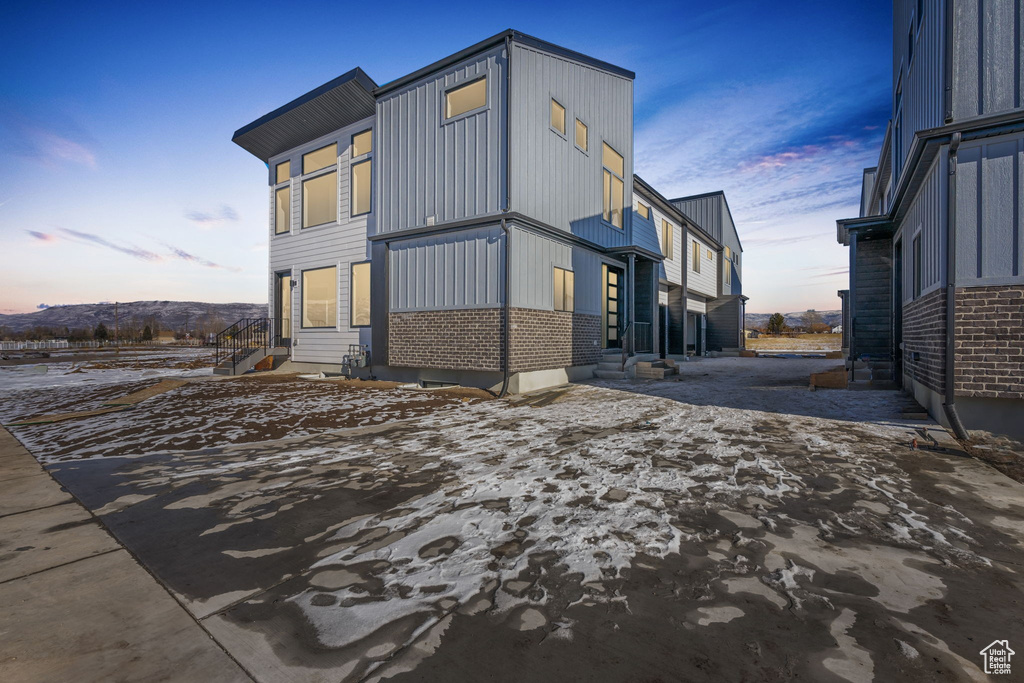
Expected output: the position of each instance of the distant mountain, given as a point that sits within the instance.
(170, 315)
(793, 319)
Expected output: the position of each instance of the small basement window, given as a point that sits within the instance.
(465, 98)
(565, 290)
(557, 117)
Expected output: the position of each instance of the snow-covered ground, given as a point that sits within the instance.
(625, 530)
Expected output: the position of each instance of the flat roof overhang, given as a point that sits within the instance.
(341, 102)
(868, 227)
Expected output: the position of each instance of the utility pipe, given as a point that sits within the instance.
(949, 403)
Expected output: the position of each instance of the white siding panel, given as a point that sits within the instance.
(704, 282)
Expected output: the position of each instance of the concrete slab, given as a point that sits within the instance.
(103, 619)
(30, 492)
(33, 541)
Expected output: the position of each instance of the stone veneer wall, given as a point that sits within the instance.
(990, 341)
(471, 339)
(924, 332)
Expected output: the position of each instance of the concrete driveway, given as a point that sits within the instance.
(728, 526)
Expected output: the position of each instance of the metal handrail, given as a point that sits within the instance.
(240, 340)
(643, 340)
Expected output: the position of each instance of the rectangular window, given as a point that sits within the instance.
(709, 255)
(361, 187)
(282, 203)
(362, 143)
(917, 266)
(320, 200)
(284, 171)
(581, 135)
(558, 117)
(465, 98)
(320, 297)
(727, 267)
(565, 290)
(643, 211)
(360, 295)
(667, 238)
(728, 253)
(320, 158)
(614, 188)
(696, 257)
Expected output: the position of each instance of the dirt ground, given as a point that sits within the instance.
(731, 525)
(802, 342)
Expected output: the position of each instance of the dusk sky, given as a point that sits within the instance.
(119, 179)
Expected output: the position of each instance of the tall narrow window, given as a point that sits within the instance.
(465, 98)
(667, 238)
(362, 143)
(614, 187)
(696, 257)
(565, 290)
(728, 253)
(917, 266)
(282, 202)
(361, 187)
(320, 297)
(558, 117)
(284, 171)
(643, 211)
(320, 192)
(360, 294)
(581, 135)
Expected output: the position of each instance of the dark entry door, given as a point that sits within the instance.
(283, 309)
(612, 305)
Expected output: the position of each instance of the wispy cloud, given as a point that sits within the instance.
(43, 236)
(179, 253)
(49, 145)
(173, 253)
(130, 250)
(203, 219)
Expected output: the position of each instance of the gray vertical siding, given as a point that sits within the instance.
(711, 213)
(988, 59)
(338, 244)
(448, 271)
(922, 75)
(872, 333)
(989, 210)
(927, 218)
(725, 330)
(534, 258)
(427, 166)
(552, 180)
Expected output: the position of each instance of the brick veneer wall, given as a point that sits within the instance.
(471, 339)
(990, 341)
(924, 332)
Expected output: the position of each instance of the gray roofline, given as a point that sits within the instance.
(698, 196)
(494, 40)
(735, 230)
(665, 205)
(356, 74)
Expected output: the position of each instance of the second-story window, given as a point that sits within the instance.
(614, 186)
(282, 198)
(557, 117)
(667, 238)
(565, 290)
(361, 174)
(643, 211)
(465, 98)
(581, 135)
(320, 186)
(696, 257)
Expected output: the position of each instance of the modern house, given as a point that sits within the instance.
(936, 297)
(469, 223)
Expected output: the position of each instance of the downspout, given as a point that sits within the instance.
(507, 304)
(947, 62)
(687, 263)
(949, 405)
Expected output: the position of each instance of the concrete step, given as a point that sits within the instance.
(610, 366)
(872, 385)
(868, 374)
(611, 352)
(609, 374)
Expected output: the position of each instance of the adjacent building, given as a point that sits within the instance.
(476, 221)
(936, 296)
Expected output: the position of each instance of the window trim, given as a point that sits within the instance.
(302, 299)
(575, 137)
(469, 112)
(351, 194)
(555, 271)
(351, 299)
(352, 145)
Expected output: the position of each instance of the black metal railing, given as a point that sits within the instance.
(242, 339)
(643, 338)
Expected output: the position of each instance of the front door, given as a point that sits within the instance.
(283, 309)
(612, 306)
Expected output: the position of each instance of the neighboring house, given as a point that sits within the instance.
(936, 292)
(470, 222)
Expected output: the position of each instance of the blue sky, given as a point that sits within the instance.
(119, 180)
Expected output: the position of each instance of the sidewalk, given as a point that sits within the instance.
(74, 604)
